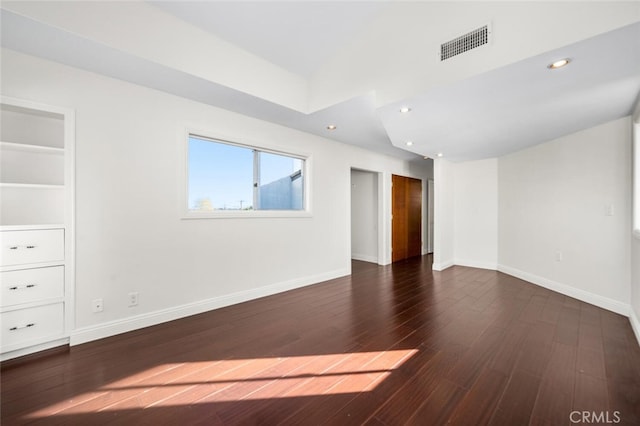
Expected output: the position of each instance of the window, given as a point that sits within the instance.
(224, 178)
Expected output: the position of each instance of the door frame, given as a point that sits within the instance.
(381, 237)
(430, 222)
(421, 216)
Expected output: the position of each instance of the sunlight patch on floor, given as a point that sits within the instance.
(237, 380)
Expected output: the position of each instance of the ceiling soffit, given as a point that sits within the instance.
(483, 103)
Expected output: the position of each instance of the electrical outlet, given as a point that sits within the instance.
(133, 298)
(97, 305)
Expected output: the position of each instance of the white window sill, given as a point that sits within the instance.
(252, 214)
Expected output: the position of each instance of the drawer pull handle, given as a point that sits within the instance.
(13, 248)
(17, 287)
(31, 247)
(20, 327)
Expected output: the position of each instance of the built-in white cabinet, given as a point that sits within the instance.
(36, 226)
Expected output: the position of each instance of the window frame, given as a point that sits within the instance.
(186, 213)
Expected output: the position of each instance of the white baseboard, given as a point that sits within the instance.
(111, 328)
(585, 296)
(33, 349)
(635, 324)
(364, 257)
(441, 266)
(476, 264)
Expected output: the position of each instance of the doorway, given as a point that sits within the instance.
(406, 219)
(364, 215)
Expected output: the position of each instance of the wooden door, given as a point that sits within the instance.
(406, 225)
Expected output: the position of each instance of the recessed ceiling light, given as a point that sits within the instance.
(409, 143)
(559, 64)
(331, 127)
(405, 109)
(440, 155)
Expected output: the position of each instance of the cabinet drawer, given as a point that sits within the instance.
(31, 285)
(22, 247)
(31, 326)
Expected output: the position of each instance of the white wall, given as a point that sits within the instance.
(635, 241)
(130, 236)
(475, 213)
(364, 216)
(554, 198)
(466, 214)
(443, 235)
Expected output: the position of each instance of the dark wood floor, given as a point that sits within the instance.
(389, 345)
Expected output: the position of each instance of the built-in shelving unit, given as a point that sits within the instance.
(36, 226)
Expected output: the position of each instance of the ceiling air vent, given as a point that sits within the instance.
(464, 43)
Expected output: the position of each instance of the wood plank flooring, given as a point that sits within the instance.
(389, 345)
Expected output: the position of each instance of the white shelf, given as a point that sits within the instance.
(37, 197)
(31, 164)
(11, 146)
(29, 185)
(29, 123)
(31, 227)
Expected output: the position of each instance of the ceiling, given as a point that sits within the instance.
(300, 64)
(299, 37)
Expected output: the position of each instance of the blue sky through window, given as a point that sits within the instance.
(221, 175)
